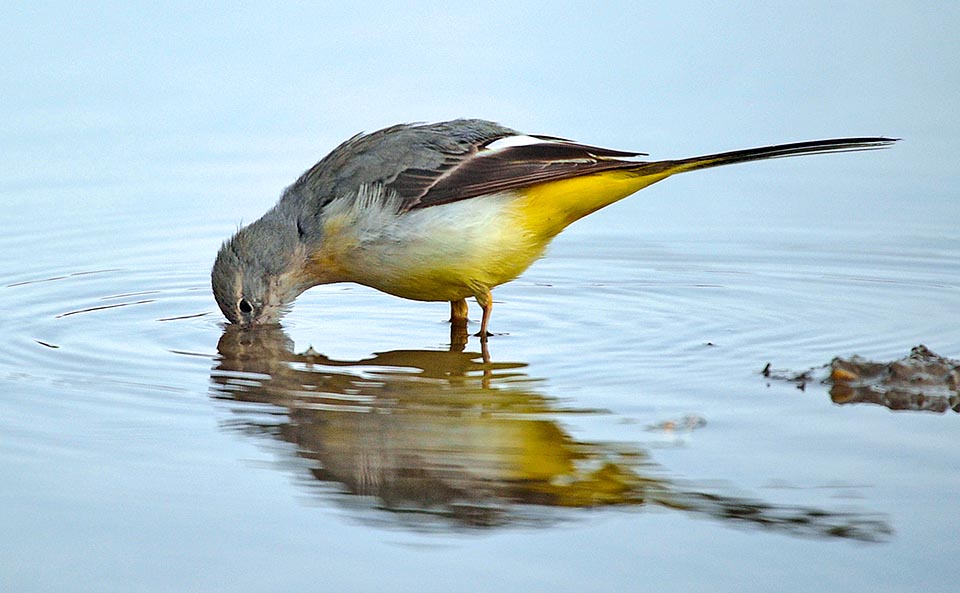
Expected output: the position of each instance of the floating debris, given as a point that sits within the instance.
(922, 381)
(799, 379)
(688, 423)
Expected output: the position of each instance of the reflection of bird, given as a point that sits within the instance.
(438, 212)
(431, 434)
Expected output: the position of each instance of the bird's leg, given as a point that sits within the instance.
(486, 302)
(458, 325)
(459, 311)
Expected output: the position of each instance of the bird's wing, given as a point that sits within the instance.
(507, 163)
(427, 165)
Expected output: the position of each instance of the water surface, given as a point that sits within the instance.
(616, 434)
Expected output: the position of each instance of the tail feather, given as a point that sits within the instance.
(774, 152)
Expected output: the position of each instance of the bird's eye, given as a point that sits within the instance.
(245, 306)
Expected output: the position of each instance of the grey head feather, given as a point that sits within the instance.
(250, 276)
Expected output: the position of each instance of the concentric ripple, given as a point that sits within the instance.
(799, 301)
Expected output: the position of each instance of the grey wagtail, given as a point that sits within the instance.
(439, 212)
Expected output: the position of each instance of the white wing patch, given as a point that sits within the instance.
(524, 140)
(512, 142)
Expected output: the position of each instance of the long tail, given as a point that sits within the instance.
(766, 152)
(549, 207)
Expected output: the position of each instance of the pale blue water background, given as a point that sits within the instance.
(136, 456)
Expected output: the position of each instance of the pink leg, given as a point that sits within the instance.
(486, 302)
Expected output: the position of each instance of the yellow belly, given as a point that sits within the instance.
(448, 252)
(461, 249)
(548, 208)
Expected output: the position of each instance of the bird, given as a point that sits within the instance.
(440, 211)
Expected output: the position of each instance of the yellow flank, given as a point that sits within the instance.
(547, 208)
(462, 249)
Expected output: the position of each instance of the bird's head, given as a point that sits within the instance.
(259, 272)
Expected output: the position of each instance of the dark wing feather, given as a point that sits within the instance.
(480, 173)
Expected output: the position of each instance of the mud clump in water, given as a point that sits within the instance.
(921, 381)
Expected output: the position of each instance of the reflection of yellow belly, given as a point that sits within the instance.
(461, 249)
